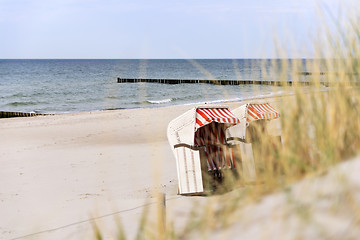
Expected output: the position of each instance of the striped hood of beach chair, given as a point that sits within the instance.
(212, 137)
(205, 116)
(261, 111)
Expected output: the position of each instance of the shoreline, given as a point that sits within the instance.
(275, 95)
(12, 114)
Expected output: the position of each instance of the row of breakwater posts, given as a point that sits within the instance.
(4, 114)
(218, 82)
(215, 82)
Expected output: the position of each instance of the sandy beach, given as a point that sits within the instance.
(59, 173)
(63, 169)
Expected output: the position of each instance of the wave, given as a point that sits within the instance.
(14, 104)
(18, 95)
(160, 101)
(113, 97)
(260, 96)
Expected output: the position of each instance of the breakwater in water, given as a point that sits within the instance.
(233, 82)
(4, 114)
(215, 82)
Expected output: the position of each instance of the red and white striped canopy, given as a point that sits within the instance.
(261, 111)
(205, 116)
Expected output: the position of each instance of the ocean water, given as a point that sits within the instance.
(58, 86)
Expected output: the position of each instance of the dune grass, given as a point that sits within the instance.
(319, 129)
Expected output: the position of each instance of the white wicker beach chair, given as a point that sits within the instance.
(252, 113)
(199, 143)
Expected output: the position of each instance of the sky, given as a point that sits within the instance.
(153, 29)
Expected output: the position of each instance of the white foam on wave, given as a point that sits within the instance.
(260, 96)
(160, 101)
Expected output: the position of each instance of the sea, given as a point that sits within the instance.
(66, 85)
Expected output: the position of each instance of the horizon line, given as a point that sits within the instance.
(281, 58)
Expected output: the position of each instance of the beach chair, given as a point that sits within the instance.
(203, 156)
(253, 116)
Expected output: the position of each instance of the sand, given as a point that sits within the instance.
(61, 173)
(63, 169)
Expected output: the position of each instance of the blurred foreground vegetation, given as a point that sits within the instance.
(319, 129)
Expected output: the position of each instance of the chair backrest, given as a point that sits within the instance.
(213, 138)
